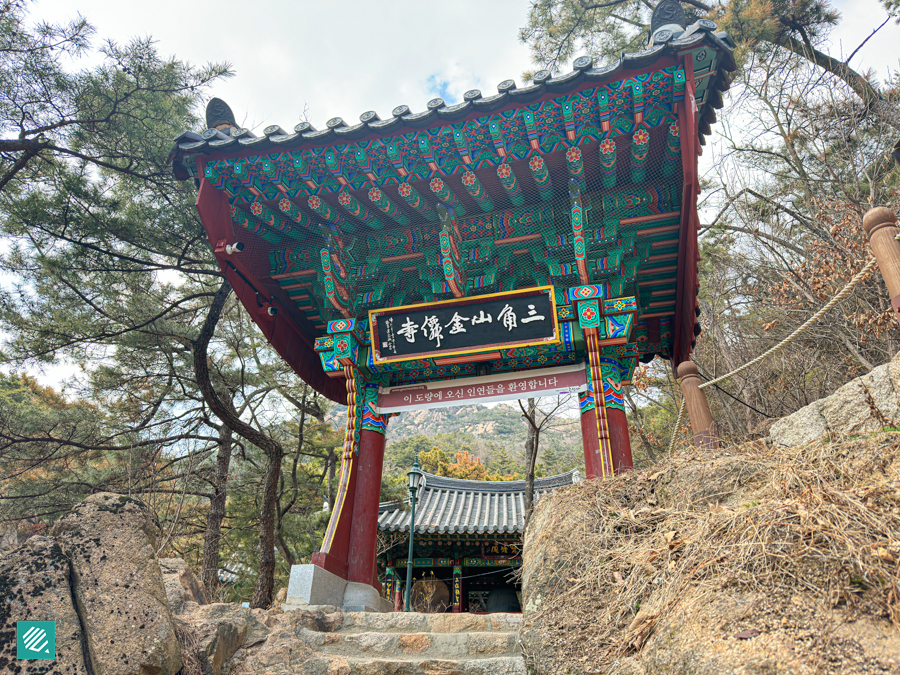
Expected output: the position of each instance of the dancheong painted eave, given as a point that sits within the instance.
(455, 506)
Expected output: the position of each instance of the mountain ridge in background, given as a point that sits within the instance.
(496, 435)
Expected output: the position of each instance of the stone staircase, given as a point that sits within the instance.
(370, 643)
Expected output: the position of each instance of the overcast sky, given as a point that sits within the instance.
(344, 58)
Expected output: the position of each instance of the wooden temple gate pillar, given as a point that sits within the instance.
(349, 546)
(390, 584)
(334, 553)
(457, 588)
(880, 225)
(364, 527)
(702, 425)
(604, 425)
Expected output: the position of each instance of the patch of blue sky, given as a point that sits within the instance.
(440, 88)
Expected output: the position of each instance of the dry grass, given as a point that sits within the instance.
(620, 557)
(189, 641)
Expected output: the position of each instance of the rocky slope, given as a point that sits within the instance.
(121, 611)
(97, 576)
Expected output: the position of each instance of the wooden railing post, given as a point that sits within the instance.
(697, 407)
(880, 224)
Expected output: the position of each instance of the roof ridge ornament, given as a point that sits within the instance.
(668, 22)
(219, 115)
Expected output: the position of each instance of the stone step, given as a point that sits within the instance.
(351, 665)
(416, 622)
(413, 645)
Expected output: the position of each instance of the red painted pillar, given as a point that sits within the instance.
(364, 523)
(619, 439)
(333, 555)
(616, 424)
(335, 558)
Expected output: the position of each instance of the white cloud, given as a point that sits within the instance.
(341, 59)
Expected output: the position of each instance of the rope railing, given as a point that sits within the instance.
(844, 292)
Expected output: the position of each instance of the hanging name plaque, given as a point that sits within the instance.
(464, 326)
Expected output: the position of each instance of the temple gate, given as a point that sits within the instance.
(544, 235)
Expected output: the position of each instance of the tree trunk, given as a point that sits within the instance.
(529, 439)
(529, 478)
(531, 450)
(283, 546)
(874, 100)
(262, 596)
(265, 584)
(209, 575)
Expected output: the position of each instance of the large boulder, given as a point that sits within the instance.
(863, 405)
(807, 425)
(110, 541)
(35, 585)
(181, 585)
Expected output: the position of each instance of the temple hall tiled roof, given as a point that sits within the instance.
(455, 506)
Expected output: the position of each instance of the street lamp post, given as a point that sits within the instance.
(415, 479)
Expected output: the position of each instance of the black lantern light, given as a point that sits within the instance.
(415, 481)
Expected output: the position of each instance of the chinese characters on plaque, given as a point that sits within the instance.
(499, 549)
(516, 318)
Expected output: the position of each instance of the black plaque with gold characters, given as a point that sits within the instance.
(505, 320)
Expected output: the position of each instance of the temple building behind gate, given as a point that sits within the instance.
(468, 536)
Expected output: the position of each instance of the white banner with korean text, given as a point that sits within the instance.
(488, 389)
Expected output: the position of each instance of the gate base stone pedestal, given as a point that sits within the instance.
(311, 586)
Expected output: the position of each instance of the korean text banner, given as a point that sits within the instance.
(557, 381)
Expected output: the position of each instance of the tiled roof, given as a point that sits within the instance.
(454, 506)
(403, 120)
